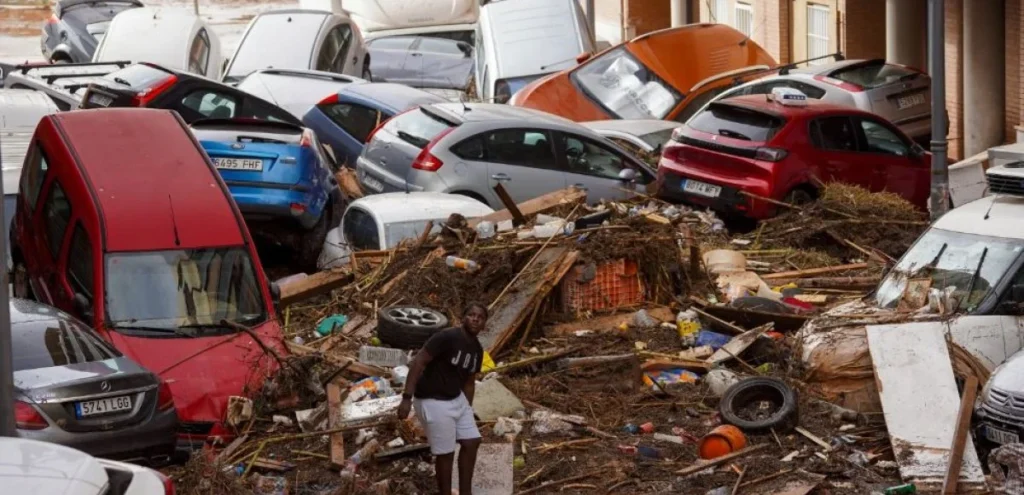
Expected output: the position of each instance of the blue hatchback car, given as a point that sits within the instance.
(345, 121)
(280, 178)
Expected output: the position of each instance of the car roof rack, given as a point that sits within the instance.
(24, 69)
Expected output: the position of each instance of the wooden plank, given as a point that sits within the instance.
(702, 465)
(963, 424)
(348, 363)
(510, 205)
(540, 204)
(313, 285)
(738, 344)
(751, 318)
(334, 421)
(921, 426)
(531, 287)
(349, 184)
(607, 323)
(340, 335)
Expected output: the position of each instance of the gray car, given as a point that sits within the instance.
(645, 135)
(74, 389)
(902, 95)
(470, 148)
(421, 62)
(76, 27)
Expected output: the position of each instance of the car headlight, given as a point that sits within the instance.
(987, 389)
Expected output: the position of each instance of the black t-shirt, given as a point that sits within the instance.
(457, 356)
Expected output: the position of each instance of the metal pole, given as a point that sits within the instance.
(677, 12)
(937, 202)
(195, 5)
(7, 427)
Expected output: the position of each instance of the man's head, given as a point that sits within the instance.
(474, 318)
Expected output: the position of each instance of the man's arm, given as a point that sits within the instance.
(419, 363)
(469, 388)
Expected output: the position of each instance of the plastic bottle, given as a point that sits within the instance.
(901, 490)
(688, 324)
(461, 263)
(364, 453)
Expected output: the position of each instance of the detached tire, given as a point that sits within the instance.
(408, 327)
(742, 400)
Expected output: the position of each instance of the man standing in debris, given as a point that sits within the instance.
(442, 378)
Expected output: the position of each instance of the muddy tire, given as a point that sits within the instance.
(312, 242)
(741, 406)
(799, 197)
(407, 327)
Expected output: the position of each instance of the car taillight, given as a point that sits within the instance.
(426, 161)
(164, 399)
(27, 418)
(168, 484)
(297, 209)
(677, 134)
(52, 19)
(770, 154)
(149, 94)
(330, 100)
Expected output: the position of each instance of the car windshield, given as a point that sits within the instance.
(45, 343)
(875, 75)
(658, 138)
(168, 290)
(625, 87)
(945, 259)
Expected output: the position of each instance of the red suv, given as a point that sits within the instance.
(122, 220)
(781, 146)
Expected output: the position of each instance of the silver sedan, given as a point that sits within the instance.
(73, 389)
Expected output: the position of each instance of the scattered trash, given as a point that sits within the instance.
(519, 462)
(270, 485)
(398, 442)
(901, 489)
(461, 263)
(714, 340)
(485, 229)
(545, 421)
(667, 378)
(507, 426)
(399, 375)
(329, 324)
(648, 452)
(239, 410)
(722, 440)
(643, 320)
(669, 438)
(382, 356)
(758, 404)
(719, 380)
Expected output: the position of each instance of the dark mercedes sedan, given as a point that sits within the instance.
(74, 389)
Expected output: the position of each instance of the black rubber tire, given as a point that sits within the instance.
(408, 327)
(798, 197)
(312, 243)
(760, 388)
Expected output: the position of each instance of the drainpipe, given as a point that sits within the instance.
(678, 12)
(937, 202)
(7, 427)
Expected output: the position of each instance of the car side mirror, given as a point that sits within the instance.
(83, 307)
(275, 296)
(627, 175)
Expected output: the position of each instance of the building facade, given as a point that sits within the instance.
(983, 44)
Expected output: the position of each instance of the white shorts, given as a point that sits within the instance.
(446, 421)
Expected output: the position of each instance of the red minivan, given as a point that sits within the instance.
(122, 220)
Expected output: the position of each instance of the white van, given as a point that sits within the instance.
(453, 19)
(174, 38)
(300, 39)
(521, 40)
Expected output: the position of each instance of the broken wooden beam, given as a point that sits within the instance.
(334, 399)
(963, 424)
(815, 271)
(340, 334)
(349, 183)
(510, 205)
(700, 466)
(341, 361)
(849, 283)
(566, 363)
(540, 204)
(313, 285)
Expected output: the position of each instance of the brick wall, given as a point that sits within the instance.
(862, 23)
(771, 28)
(1014, 44)
(954, 76)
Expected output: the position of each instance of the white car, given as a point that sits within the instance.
(451, 19)
(518, 41)
(381, 221)
(295, 90)
(32, 467)
(300, 39)
(174, 38)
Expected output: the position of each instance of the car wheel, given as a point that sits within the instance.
(312, 242)
(19, 281)
(799, 197)
(407, 327)
(759, 404)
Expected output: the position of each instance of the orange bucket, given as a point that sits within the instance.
(722, 440)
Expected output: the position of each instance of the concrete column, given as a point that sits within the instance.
(905, 32)
(984, 76)
(679, 13)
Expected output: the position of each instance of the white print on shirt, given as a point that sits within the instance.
(468, 361)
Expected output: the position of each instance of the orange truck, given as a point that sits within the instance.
(667, 74)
